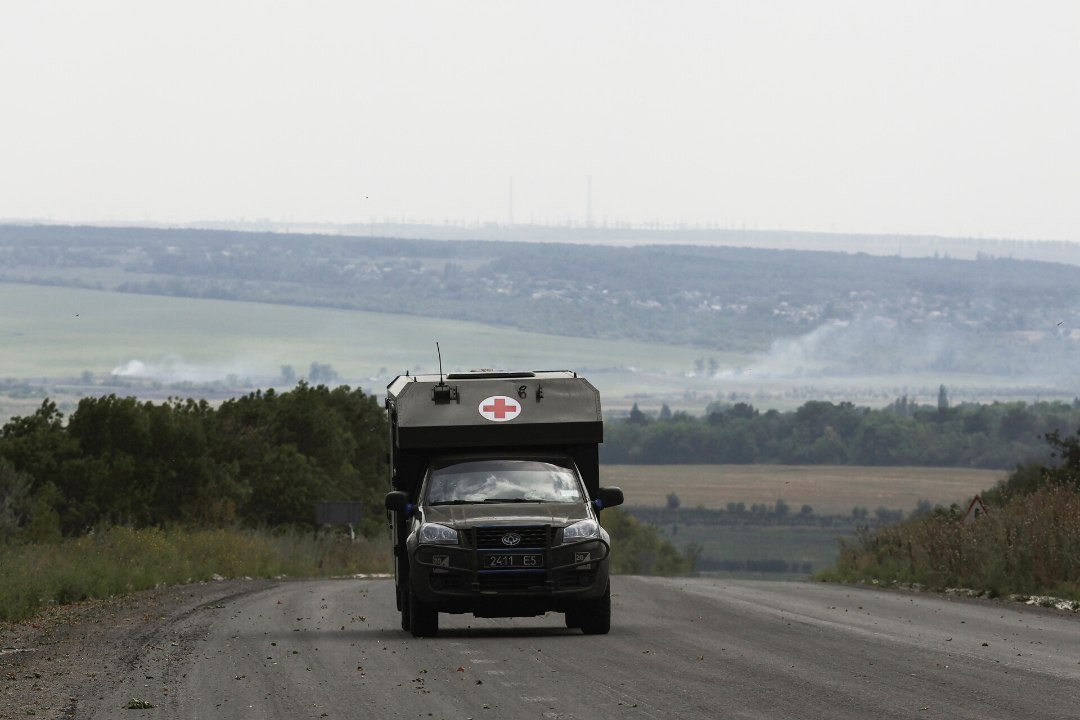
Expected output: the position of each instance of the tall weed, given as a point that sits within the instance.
(1029, 546)
(122, 560)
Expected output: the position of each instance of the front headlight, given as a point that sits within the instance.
(432, 533)
(584, 530)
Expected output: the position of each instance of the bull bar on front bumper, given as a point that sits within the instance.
(468, 566)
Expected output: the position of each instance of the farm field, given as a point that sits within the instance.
(828, 489)
(61, 332)
(50, 335)
(68, 342)
(796, 545)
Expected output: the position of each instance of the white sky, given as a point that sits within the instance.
(924, 116)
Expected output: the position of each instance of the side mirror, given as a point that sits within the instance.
(608, 497)
(398, 501)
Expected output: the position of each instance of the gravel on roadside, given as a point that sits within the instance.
(69, 653)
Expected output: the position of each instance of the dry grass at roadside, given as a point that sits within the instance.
(1030, 547)
(828, 489)
(121, 560)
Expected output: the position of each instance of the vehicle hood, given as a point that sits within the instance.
(462, 517)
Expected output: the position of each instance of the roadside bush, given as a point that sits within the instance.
(1029, 546)
(638, 549)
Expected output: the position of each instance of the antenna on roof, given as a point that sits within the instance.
(443, 393)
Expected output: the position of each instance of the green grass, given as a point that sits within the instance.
(121, 560)
(801, 544)
(792, 544)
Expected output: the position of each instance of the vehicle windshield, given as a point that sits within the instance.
(493, 481)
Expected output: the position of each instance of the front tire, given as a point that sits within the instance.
(423, 618)
(403, 603)
(596, 615)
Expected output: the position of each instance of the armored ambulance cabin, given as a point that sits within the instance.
(495, 493)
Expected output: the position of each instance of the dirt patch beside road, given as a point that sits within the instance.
(71, 653)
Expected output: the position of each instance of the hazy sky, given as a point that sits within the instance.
(941, 117)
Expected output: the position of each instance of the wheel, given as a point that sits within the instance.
(573, 618)
(423, 618)
(401, 589)
(403, 603)
(596, 615)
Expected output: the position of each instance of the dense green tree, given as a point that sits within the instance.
(38, 444)
(1066, 452)
(16, 501)
(999, 435)
(264, 459)
(639, 549)
(637, 416)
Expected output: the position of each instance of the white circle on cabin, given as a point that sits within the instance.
(499, 408)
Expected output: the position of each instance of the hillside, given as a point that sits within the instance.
(802, 318)
(722, 298)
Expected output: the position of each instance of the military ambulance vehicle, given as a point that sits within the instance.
(495, 494)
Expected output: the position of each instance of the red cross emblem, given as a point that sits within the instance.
(500, 408)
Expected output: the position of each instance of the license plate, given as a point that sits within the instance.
(513, 561)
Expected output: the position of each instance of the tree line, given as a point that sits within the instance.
(991, 436)
(266, 459)
(262, 460)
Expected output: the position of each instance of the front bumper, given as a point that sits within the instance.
(455, 579)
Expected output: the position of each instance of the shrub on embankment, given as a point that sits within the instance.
(1027, 543)
(121, 560)
(1031, 546)
(638, 549)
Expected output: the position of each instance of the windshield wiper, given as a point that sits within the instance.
(457, 502)
(513, 500)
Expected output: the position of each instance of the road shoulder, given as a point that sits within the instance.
(73, 655)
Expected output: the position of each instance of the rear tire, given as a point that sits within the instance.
(573, 618)
(596, 615)
(423, 618)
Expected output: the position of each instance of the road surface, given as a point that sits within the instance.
(679, 648)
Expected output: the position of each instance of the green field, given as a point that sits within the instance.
(818, 546)
(61, 332)
(52, 335)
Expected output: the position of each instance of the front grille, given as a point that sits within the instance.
(511, 581)
(532, 536)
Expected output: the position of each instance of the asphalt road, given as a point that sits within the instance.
(683, 648)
